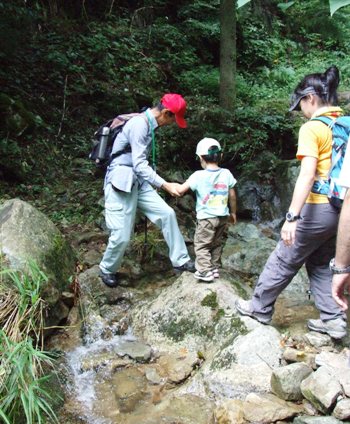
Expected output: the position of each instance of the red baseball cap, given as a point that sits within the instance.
(176, 104)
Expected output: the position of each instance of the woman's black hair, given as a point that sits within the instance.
(324, 85)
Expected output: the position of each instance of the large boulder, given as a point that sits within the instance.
(239, 353)
(28, 235)
(246, 251)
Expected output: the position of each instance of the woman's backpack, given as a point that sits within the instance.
(340, 128)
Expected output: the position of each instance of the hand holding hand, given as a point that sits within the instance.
(172, 188)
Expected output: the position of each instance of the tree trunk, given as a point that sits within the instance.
(228, 54)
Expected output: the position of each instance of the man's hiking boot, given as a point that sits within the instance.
(336, 328)
(187, 266)
(204, 276)
(109, 280)
(244, 307)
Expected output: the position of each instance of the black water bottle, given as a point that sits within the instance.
(101, 154)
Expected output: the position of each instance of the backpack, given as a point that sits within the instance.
(340, 128)
(104, 138)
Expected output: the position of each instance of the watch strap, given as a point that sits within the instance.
(337, 270)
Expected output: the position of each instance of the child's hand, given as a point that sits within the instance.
(232, 218)
(172, 188)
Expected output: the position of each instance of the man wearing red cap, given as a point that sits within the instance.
(129, 185)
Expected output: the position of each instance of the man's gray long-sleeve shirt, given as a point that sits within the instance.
(129, 166)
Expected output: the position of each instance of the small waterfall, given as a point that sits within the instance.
(84, 377)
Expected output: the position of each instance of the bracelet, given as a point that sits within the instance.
(337, 270)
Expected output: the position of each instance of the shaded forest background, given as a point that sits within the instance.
(66, 67)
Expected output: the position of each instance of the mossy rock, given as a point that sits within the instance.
(28, 236)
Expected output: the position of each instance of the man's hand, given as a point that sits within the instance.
(172, 188)
(340, 283)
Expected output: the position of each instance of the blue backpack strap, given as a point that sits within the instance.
(322, 186)
(325, 119)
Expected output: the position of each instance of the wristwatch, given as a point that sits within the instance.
(337, 270)
(290, 217)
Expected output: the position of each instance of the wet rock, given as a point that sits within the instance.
(95, 328)
(342, 409)
(153, 376)
(129, 387)
(316, 420)
(285, 381)
(230, 412)
(136, 350)
(267, 408)
(178, 367)
(235, 382)
(321, 389)
(184, 409)
(105, 360)
(296, 355)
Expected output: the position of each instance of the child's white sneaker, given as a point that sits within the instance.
(204, 276)
(216, 273)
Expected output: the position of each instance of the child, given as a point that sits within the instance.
(216, 201)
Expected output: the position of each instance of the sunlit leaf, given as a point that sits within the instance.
(241, 3)
(285, 6)
(337, 4)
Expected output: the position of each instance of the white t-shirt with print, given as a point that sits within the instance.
(211, 187)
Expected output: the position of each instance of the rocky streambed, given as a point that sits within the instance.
(168, 349)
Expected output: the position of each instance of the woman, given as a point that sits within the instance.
(309, 232)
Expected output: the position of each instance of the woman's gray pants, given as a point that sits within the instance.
(314, 246)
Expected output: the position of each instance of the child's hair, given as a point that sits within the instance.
(214, 155)
(324, 85)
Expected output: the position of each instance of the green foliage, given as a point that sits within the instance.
(22, 392)
(22, 307)
(147, 248)
(66, 68)
(22, 361)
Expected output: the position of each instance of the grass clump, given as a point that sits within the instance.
(210, 300)
(23, 398)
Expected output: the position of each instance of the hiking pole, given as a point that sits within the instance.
(145, 243)
(154, 167)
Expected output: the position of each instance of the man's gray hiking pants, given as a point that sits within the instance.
(120, 210)
(314, 246)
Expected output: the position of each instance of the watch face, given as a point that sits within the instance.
(289, 216)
